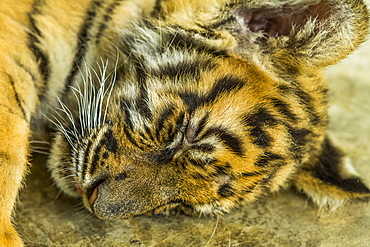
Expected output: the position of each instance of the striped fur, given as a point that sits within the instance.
(164, 105)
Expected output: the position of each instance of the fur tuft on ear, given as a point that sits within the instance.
(330, 180)
(313, 33)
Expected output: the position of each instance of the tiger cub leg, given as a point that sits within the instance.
(14, 133)
(330, 180)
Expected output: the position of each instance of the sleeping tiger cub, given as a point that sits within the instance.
(196, 106)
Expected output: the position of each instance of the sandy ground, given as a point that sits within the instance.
(47, 218)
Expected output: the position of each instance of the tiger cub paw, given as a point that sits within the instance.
(331, 180)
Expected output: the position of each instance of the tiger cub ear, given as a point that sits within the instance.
(330, 180)
(309, 33)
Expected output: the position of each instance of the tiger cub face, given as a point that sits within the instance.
(204, 107)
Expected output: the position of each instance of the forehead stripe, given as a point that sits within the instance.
(225, 85)
(233, 142)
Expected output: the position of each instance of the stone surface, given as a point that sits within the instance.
(46, 218)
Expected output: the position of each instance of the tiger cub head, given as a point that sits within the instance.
(202, 106)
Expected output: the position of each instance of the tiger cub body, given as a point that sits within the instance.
(174, 105)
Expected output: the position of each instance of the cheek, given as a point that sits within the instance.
(60, 165)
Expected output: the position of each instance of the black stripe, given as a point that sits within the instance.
(299, 135)
(246, 190)
(111, 143)
(265, 184)
(86, 158)
(139, 106)
(171, 132)
(201, 125)
(198, 176)
(224, 168)
(207, 32)
(20, 102)
(157, 8)
(183, 41)
(191, 100)
(33, 43)
(106, 19)
(131, 139)
(225, 85)
(28, 71)
(266, 158)
(42, 60)
(204, 32)
(8, 109)
(84, 36)
(306, 100)
(259, 119)
(95, 162)
(141, 70)
(161, 122)
(169, 135)
(209, 161)
(285, 88)
(142, 104)
(226, 190)
(165, 156)
(175, 71)
(183, 163)
(196, 162)
(327, 169)
(142, 99)
(284, 109)
(261, 137)
(256, 123)
(173, 129)
(149, 133)
(144, 142)
(222, 22)
(126, 106)
(205, 147)
(253, 174)
(233, 142)
(250, 188)
(87, 150)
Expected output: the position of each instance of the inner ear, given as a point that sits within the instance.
(280, 21)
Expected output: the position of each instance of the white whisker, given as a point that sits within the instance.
(92, 102)
(39, 148)
(40, 142)
(68, 176)
(40, 152)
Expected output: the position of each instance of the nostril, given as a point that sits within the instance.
(93, 197)
(92, 192)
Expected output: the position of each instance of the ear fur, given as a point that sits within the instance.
(312, 33)
(330, 180)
